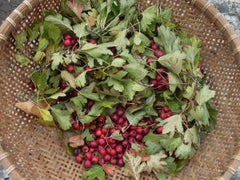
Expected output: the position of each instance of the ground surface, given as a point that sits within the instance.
(230, 9)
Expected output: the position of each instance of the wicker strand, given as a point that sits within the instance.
(237, 157)
(206, 6)
(193, 1)
(225, 27)
(4, 155)
(231, 170)
(11, 21)
(28, 4)
(3, 37)
(216, 16)
(237, 50)
(233, 37)
(18, 13)
(10, 169)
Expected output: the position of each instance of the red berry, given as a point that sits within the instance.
(67, 43)
(88, 155)
(104, 131)
(166, 109)
(146, 130)
(120, 121)
(63, 85)
(102, 119)
(95, 159)
(168, 115)
(90, 103)
(159, 130)
(70, 68)
(102, 152)
(131, 140)
(163, 116)
(75, 48)
(133, 127)
(88, 69)
(139, 130)
(159, 77)
(101, 161)
(87, 164)
(154, 47)
(85, 149)
(139, 137)
(120, 162)
(125, 123)
(114, 117)
(92, 41)
(200, 65)
(31, 85)
(98, 132)
(160, 87)
(111, 141)
(108, 150)
(161, 70)
(154, 82)
(113, 161)
(119, 149)
(132, 133)
(76, 125)
(113, 145)
(78, 159)
(73, 42)
(150, 60)
(120, 155)
(67, 36)
(125, 134)
(107, 157)
(76, 152)
(152, 42)
(101, 142)
(119, 111)
(125, 143)
(158, 53)
(93, 144)
(75, 93)
(112, 130)
(91, 150)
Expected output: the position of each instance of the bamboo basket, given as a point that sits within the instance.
(30, 151)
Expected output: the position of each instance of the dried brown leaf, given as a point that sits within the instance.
(33, 108)
(109, 169)
(76, 141)
(75, 7)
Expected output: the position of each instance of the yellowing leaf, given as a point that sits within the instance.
(68, 77)
(204, 95)
(76, 141)
(185, 151)
(76, 7)
(156, 163)
(91, 21)
(191, 136)
(46, 117)
(172, 124)
(189, 91)
(134, 166)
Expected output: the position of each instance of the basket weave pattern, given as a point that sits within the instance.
(36, 152)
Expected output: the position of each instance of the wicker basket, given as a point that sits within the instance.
(31, 151)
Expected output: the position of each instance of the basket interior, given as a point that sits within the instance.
(38, 152)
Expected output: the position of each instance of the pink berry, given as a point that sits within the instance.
(159, 130)
(154, 47)
(73, 42)
(158, 53)
(113, 161)
(119, 111)
(150, 60)
(76, 125)
(93, 144)
(102, 152)
(67, 36)
(166, 109)
(125, 143)
(154, 82)
(98, 132)
(95, 159)
(87, 164)
(102, 119)
(101, 142)
(85, 149)
(120, 162)
(114, 117)
(101, 161)
(120, 121)
(67, 43)
(78, 159)
(88, 69)
(88, 155)
(91, 150)
(104, 131)
(107, 157)
(159, 78)
(139, 130)
(70, 68)
(139, 137)
(119, 149)
(92, 41)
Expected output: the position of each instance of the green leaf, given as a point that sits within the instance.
(185, 151)
(197, 113)
(54, 33)
(23, 60)
(170, 144)
(57, 95)
(40, 79)
(136, 71)
(173, 61)
(204, 95)
(135, 118)
(152, 147)
(160, 176)
(21, 39)
(189, 91)
(39, 56)
(174, 105)
(191, 53)
(117, 136)
(57, 59)
(117, 85)
(191, 136)
(69, 150)
(131, 88)
(95, 172)
(86, 135)
(51, 91)
(134, 166)
(152, 137)
(174, 82)
(79, 101)
(121, 41)
(97, 51)
(157, 163)
(96, 110)
(148, 16)
(87, 119)
(172, 124)
(80, 30)
(140, 42)
(172, 167)
(43, 43)
(68, 77)
(135, 147)
(46, 118)
(59, 20)
(63, 118)
(81, 79)
(118, 62)
(107, 103)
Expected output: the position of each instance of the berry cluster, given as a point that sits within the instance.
(104, 148)
(69, 41)
(161, 80)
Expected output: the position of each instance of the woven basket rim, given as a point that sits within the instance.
(206, 7)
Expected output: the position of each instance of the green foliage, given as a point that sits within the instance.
(95, 172)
